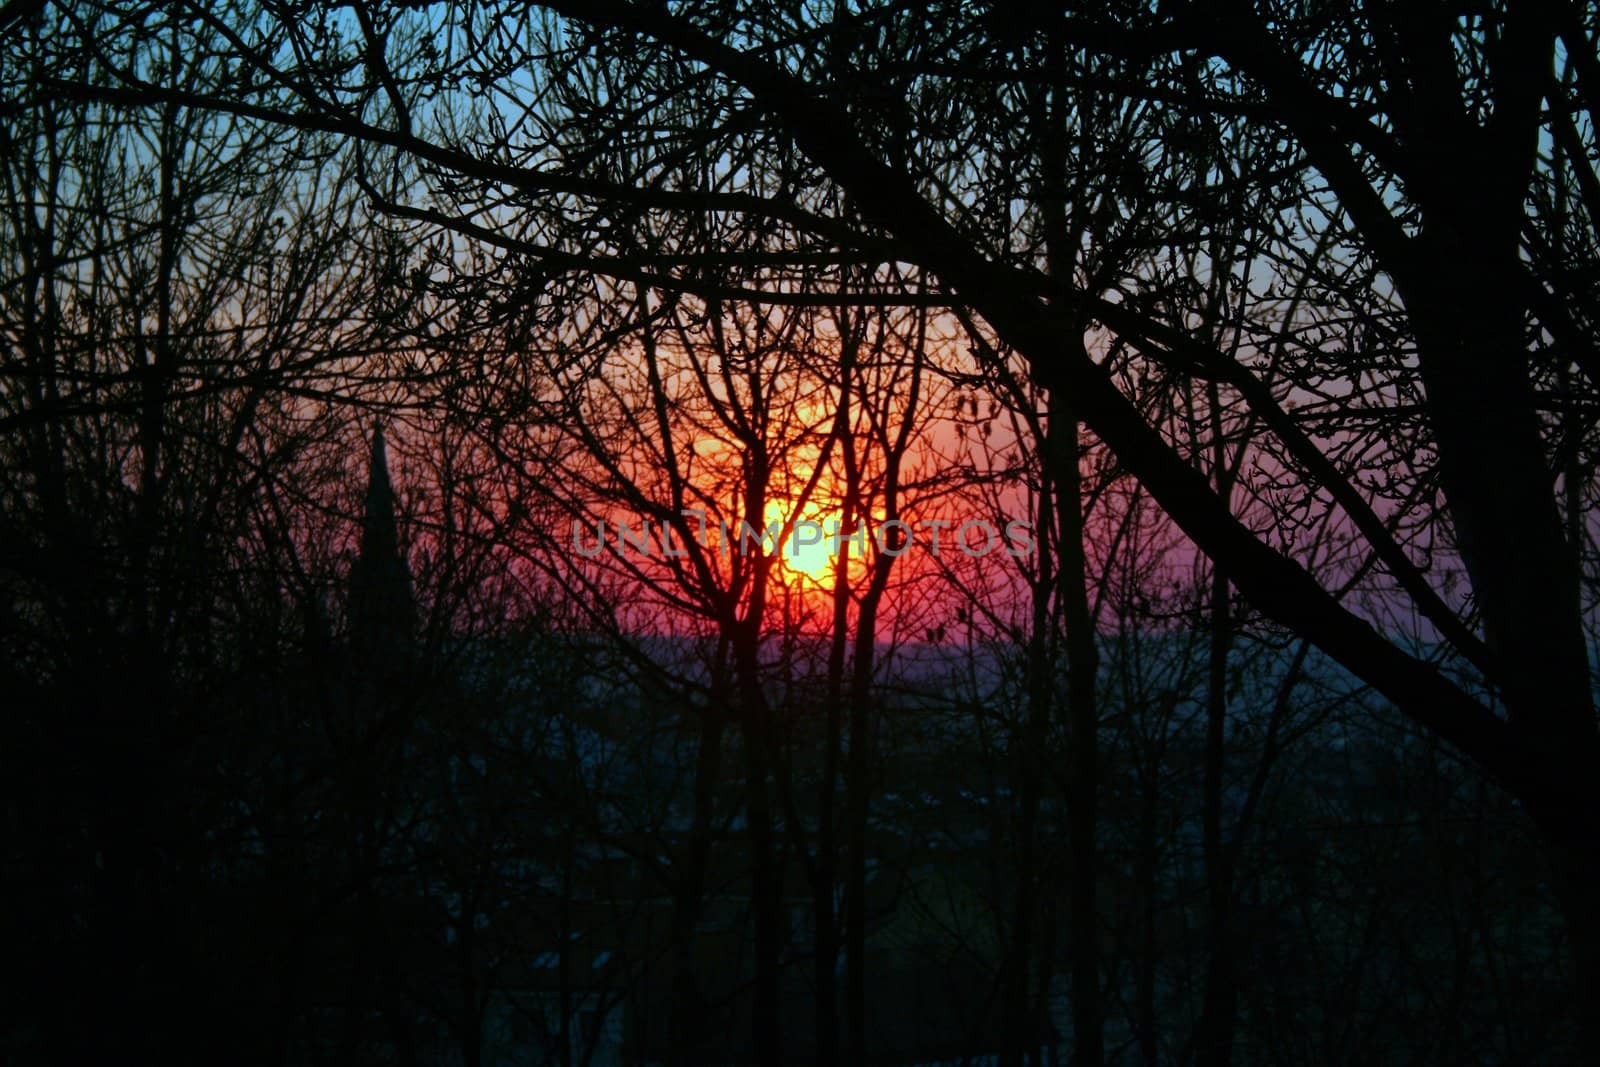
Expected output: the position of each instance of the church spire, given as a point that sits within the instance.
(382, 613)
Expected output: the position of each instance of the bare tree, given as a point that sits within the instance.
(1429, 170)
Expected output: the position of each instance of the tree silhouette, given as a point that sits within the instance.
(1319, 278)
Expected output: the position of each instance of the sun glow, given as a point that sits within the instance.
(808, 551)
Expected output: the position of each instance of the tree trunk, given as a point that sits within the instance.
(1575, 865)
(855, 888)
(1215, 1031)
(765, 884)
(825, 935)
(1525, 575)
(1016, 1010)
(1145, 867)
(1083, 725)
(858, 787)
(688, 1011)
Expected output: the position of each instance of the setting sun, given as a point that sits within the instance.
(808, 550)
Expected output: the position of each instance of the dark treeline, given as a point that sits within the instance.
(333, 337)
